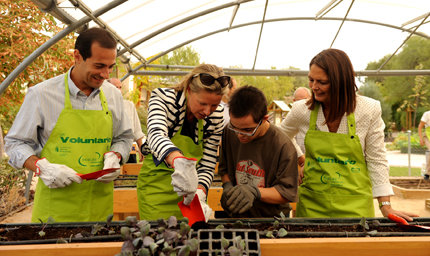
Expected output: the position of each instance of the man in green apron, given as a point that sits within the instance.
(425, 139)
(73, 126)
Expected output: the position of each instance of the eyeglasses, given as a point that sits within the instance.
(209, 80)
(249, 134)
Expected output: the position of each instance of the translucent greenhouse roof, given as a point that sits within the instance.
(250, 37)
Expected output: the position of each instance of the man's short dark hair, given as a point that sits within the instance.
(248, 100)
(86, 38)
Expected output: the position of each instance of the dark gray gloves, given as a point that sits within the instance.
(226, 188)
(240, 198)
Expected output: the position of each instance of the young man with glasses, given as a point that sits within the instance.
(258, 162)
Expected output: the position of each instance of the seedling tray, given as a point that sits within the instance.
(210, 241)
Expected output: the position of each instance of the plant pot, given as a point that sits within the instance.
(304, 237)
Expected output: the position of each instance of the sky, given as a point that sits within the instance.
(283, 44)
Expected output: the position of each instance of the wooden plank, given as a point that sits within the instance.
(88, 249)
(125, 203)
(214, 198)
(360, 246)
(131, 169)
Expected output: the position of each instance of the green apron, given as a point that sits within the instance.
(336, 181)
(154, 190)
(78, 140)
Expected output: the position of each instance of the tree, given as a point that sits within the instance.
(402, 92)
(372, 90)
(23, 28)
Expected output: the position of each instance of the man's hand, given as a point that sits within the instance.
(207, 211)
(242, 197)
(111, 161)
(226, 187)
(184, 178)
(56, 175)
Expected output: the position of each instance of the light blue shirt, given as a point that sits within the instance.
(42, 106)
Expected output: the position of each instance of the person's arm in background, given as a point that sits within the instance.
(138, 134)
(290, 126)
(377, 164)
(122, 133)
(420, 132)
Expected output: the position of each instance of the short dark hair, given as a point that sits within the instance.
(338, 67)
(88, 37)
(248, 100)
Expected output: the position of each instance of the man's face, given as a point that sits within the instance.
(246, 128)
(94, 70)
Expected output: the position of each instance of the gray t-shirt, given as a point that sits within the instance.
(268, 161)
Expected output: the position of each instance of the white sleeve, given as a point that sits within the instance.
(375, 153)
(290, 127)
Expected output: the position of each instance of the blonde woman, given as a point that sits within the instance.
(184, 128)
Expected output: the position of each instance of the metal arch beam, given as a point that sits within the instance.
(27, 61)
(287, 72)
(407, 38)
(261, 32)
(51, 7)
(179, 22)
(343, 21)
(85, 9)
(267, 21)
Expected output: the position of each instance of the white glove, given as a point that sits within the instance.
(184, 178)
(56, 175)
(207, 211)
(111, 161)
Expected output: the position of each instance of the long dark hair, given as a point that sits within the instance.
(338, 67)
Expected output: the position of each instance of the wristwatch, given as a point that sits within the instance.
(384, 203)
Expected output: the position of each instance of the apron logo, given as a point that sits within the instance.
(333, 181)
(90, 160)
(82, 140)
(335, 161)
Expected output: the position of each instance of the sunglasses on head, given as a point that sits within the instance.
(209, 80)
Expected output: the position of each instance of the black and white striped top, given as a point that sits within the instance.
(166, 114)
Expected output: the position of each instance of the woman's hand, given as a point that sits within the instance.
(386, 209)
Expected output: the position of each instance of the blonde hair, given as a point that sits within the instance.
(196, 86)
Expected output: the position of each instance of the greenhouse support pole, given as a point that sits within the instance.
(409, 152)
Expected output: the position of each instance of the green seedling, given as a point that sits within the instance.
(50, 220)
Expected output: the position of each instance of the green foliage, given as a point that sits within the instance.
(12, 184)
(404, 171)
(274, 88)
(372, 90)
(401, 141)
(401, 92)
(10, 177)
(142, 112)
